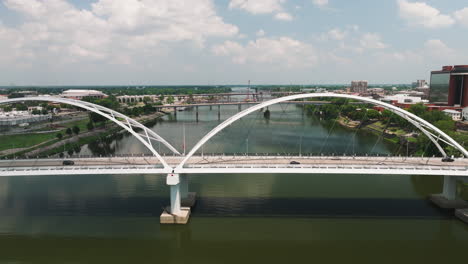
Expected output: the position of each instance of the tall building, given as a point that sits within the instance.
(359, 86)
(450, 86)
(419, 83)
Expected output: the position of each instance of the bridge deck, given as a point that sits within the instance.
(238, 164)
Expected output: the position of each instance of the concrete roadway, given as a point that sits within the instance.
(240, 160)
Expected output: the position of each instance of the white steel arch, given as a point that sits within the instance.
(427, 128)
(123, 121)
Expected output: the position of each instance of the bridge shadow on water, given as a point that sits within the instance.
(235, 207)
(320, 208)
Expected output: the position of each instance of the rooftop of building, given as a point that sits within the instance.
(450, 111)
(452, 69)
(81, 91)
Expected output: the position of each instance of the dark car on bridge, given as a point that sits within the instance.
(294, 162)
(68, 163)
(448, 159)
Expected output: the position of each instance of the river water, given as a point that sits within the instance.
(238, 218)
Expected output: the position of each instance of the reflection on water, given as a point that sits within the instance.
(250, 218)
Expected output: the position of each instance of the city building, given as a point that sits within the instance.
(19, 118)
(419, 83)
(465, 114)
(80, 94)
(359, 86)
(403, 99)
(449, 86)
(455, 115)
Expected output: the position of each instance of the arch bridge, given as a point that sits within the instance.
(177, 167)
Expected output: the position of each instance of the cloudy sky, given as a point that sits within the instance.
(107, 42)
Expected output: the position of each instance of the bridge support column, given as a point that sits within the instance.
(219, 112)
(239, 107)
(196, 108)
(448, 198)
(176, 214)
(187, 198)
(462, 214)
(175, 111)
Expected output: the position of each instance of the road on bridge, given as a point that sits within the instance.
(239, 160)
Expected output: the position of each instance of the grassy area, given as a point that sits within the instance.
(24, 141)
(378, 125)
(80, 142)
(30, 140)
(395, 140)
(398, 131)
(82, 124)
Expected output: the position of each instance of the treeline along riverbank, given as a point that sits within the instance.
(390, 126)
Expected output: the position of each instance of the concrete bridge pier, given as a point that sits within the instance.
(239, 107)
(448, 198)
(175, 111)
(187, 198)
(176, 214)
(196, 109)
(462, 213)
(219, 112)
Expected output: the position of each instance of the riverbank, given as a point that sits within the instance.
(43, 145)
(391, 134)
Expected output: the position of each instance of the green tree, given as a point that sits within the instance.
(90, 125)
(373, 114)
(170, 99)
(445, 125)
(59, 136)
(190, 98)
(69, 131)
(418, 109)
(15, 95)
(21, 107)
(147, 99)
(76, 130)
(97, 118)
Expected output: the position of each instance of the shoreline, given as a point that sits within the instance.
(56, 146)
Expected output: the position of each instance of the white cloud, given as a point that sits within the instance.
(280, 52)
(422, 14)
(337, 34)
(462, 16)
(262, 7)
(436, 48)
(113, 30)
(320, 3)
(434, 51)
(258, 6)
(260, 33)
(372, 41)
(283, 16)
